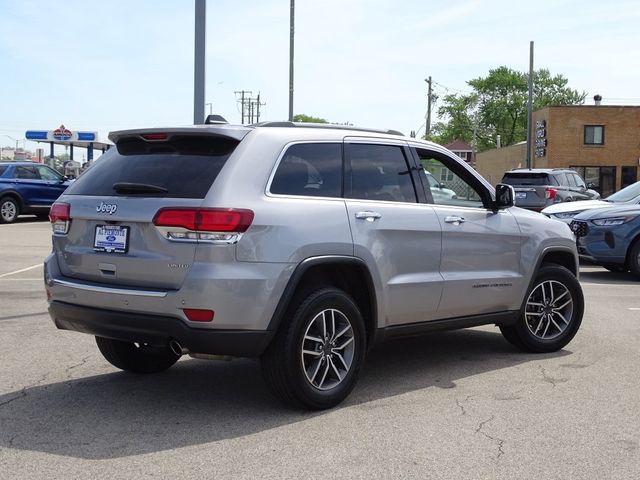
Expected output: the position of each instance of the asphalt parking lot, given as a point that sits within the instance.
(453, 405)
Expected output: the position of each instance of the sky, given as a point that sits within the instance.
(98, 65)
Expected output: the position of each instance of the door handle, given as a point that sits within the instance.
(368, 216)
(455, 219)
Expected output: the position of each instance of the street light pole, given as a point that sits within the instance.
(199, 61)
(530, 107)
(291, 32)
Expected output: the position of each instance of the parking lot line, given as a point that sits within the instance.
(21, 270)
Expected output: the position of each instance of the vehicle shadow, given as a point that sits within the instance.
(606, 277)
(30, 219)
(197, 402)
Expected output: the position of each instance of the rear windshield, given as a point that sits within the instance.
(526, 179)
(184, 167)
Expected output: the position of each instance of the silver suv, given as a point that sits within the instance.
(302, 245)
(537, 188)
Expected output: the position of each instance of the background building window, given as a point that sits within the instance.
(594, 134)
(629, 176)
(603, 179)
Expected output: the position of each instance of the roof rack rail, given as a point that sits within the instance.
(325, 125)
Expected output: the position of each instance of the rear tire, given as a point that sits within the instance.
(9, 210)
(315, 358)
(136, 358)
(552, 312)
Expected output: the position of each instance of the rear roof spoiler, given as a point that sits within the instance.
(237, 132)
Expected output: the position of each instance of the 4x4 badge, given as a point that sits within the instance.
(109, 208)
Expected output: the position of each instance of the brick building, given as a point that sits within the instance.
(601, 142)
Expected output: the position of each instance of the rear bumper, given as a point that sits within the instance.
(157, 330)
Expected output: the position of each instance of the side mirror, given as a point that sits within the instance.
(505, 196)
(591, 186)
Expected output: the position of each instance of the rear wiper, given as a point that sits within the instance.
(127, 187)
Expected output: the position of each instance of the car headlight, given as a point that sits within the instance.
(563, 215)
(602, 222)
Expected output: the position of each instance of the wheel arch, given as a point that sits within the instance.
(15, 195)
(563, 256)
(350, 274)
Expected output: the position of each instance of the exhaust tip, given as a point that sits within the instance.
(176, 348)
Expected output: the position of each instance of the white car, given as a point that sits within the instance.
(567, 210)
(437, 189)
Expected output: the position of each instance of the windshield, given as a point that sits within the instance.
(626, 194)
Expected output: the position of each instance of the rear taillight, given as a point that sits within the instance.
(223, 225)
(60, 217)
(550, 193)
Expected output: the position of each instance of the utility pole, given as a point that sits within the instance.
(427, 131)
(245, 98)
(291, 31)
(199, 61)
(530, 106)
(258, 105)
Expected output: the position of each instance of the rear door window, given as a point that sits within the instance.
(3, 168)
(310, 170)
(561, 179)
(183, 167)
(26, 173)
(379, 172)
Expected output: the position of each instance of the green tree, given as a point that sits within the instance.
(301, 117)
(497, 105)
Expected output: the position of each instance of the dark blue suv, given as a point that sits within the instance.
(610, 237)
(27, 187)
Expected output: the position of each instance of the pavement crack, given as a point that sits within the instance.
(461, 406)
(500, 442)
(546, 377)
(80, 364)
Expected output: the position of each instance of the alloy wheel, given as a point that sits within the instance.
(549, 309)
(8, 211)
(328, 349)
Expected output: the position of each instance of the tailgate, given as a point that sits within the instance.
(111, 235)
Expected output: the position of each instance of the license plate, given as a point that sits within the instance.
(111, 239)
(521, 194)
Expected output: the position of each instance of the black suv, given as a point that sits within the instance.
(537, 188)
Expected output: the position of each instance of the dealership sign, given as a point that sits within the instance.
(541, 138)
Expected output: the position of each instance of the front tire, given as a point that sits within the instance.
(315, 358)
(136, 357)
(552, 312)
(634, 259)
(9, 210)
